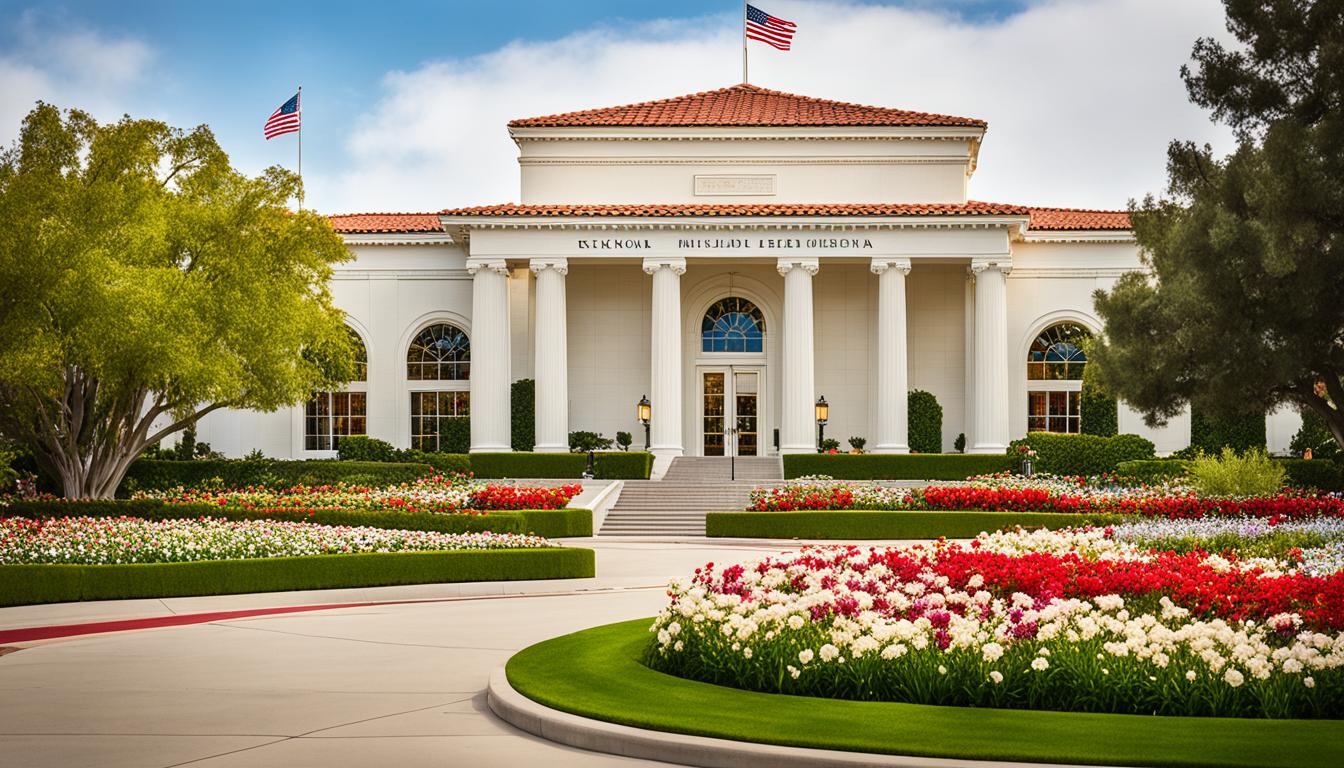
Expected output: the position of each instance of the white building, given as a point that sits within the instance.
(732, 255)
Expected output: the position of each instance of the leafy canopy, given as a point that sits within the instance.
(1240, 307)
(143, 283)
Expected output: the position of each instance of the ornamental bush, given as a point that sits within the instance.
(1251, 473)
(1322, 474)
(608, 465)
(365, 448)
(455, 434)
(1099, 411)
(1063, 454)
(925, 420)
(523, 414)
(1153, 471)
(155, 475)
(1314, 435)
(1212, 433)
(895, 466)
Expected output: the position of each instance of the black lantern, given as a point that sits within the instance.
(644, 412)
(823, 415)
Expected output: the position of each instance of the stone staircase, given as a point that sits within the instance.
(692, 486)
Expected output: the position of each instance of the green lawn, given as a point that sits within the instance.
(596, 673)
(856, 525)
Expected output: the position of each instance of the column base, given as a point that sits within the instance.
(990, 448)
(490, 449)
(890, 449)
(550, 449)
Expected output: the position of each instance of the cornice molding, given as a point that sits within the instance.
(397, 238)
(1079, 236)
(1047, 273)
(734, 161)
(746, 133)
(465, 224)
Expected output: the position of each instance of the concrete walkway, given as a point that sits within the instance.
(390, 685)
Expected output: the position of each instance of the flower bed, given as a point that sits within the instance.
(1046, 494)
(1077, 620)
(101, 541)
(450, 494)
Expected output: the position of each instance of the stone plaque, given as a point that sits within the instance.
(762, 184)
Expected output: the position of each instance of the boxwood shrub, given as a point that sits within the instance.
(1321, 474)
(897, 466)
(925, 419)
(860, 525)
(557, 523)
(155, 475)
(32, 584)
(608, 465)
(153, 509)
(1153, 471)
(1212, 433)
(1063, 454)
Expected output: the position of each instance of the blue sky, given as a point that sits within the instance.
(423, 88)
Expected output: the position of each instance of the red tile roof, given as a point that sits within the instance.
(384, 223)
(745, 105)
(971, 208)
(1078, 219)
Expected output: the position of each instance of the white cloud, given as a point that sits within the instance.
(62, 63)
(1082, 96)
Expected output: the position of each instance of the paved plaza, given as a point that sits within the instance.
(391, 685)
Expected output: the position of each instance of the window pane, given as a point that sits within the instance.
(733, 324)
(439, 352)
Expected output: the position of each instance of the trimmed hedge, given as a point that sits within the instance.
(32, 584)
(1321, 474)
(1062, 454)
(1100, 412)
(924, 417)
(608, 465)
(1211, 434)
(895, 466)
(523, 415)
(1153, 471)
(155, 475)
(153, 509)
(455, 434)
(557, 523)
(858, 525)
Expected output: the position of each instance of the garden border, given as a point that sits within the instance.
(32, 584)
(596, 674)
(877, 524)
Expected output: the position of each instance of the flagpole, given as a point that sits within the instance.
(744, 41)
(299, 103)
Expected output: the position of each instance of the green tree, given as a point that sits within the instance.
(145, 283)
(1240, 308)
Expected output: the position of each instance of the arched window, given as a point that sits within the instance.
(439, 353)
(1055, 364)
(438, 367)
(733, 324)
(330, 416)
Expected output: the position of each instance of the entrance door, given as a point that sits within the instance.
(730, 413)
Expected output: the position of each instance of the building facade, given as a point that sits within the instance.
(732, 255)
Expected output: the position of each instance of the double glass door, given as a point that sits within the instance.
(730, 412)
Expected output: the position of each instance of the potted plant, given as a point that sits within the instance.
(1025, 455)
(856, 444)
(830, 445)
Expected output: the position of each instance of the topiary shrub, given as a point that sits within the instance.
(1315, 435)
(1210, 433)
(925, 419)
(1249, 473)
(583, 442)
(364, 448)
(623, 440)
(523, 410)
(1153, 471)
(1099, 413)
(959, 445)
(455, 434)
(1062, 454)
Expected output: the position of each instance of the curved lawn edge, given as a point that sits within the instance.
(596, 673)
(34, 584)
(857, 525)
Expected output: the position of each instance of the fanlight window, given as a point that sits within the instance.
(733, 324)
(1057, 354)
(440, 352)
(361, 356)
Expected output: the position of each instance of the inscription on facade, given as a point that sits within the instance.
(701, 244)
(763, 184)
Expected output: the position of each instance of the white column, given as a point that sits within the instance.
(893, 376)
(665, 356)
(552, 357)
(489, 355)
(797, 429)
(991, 355)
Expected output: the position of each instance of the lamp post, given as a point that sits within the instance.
(823, 415)
(644, 412)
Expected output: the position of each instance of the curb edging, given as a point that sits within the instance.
(611, 738)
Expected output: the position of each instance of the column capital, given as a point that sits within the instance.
(979, 264)
(558, 263)
(810, 265)
(494, 265)
(674, 263)
(881, 264)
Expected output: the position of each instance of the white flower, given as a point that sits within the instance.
(794, 672)
(746, 652)
(1043, 652)
(805, 656)
(1309, 681)
(1233, 678)
(1190, 675)
(673, 629)
(795, 622)
(1039, 664)
(991, 652)
(829, 652)
(677, 646)
(996, 676)
(894, 651)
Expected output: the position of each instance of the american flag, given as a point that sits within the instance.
(768, 29)
(283, 120)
